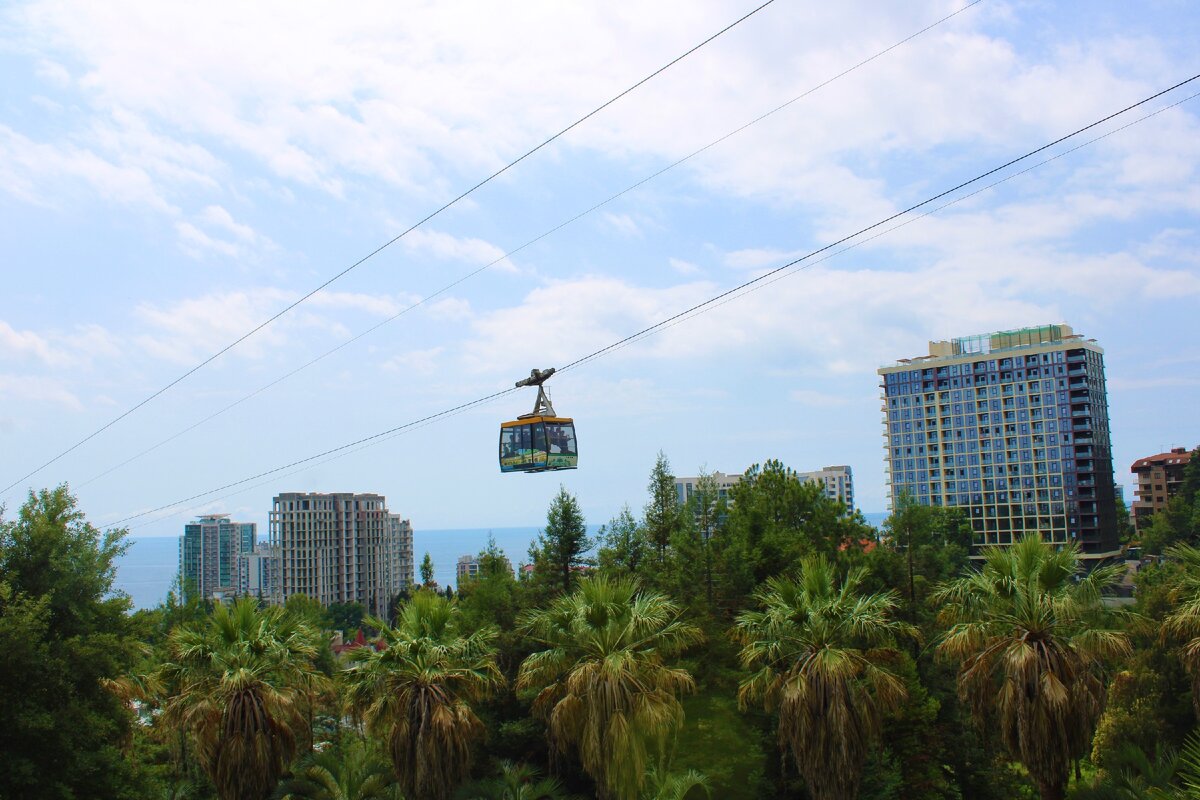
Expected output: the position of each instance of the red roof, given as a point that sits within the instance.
(866, 545)
(359, 641)
(1177, 456)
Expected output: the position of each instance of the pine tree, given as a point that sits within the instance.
(562, 547)
(662, 516)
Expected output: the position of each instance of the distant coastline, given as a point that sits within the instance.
(145, 573)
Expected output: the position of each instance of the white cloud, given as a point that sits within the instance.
(444, 246)
(38, 389)
(623, 224)
(29, 170)
(379, 305)
(14, 343)
(56, 349)
(451, 308)
(191, 329)
(683, 267)
(422, 362)
(245, 242)
(753, 258)
(196, 242)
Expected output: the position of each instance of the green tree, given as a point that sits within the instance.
(662, 515)
(492, 596)
(515, 782)
(663, 785)
(234, 684)
(774, 521)
(819, 651)
(707, 508)
(623, 545)
(1028, 634)
(308, 611)
(932, 542)
(352, 773)
(346, 617)
(63, 636)
(1183, 622)
(1179, 522)
(427, 572)
(602, 681)
(416, 693)
(561, 548)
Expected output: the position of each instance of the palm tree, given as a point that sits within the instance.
(1027, 633)
(674, 785)
(353, 774)
(1184, 621)
(1170, 775)
(232, 684)
(818, 650)
(515, 782)
(416, 692)
(602, 683)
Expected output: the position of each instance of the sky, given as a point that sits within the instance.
(172, 175)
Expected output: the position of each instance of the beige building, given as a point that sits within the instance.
(340, 548)
(1158, 479)
(836, 482)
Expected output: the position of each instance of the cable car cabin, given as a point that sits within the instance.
(538, 444)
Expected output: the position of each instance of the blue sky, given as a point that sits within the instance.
(170, 176)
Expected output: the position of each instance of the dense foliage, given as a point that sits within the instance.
(763, 644)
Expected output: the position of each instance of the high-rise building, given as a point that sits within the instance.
(467, 568)
(686, 487)
(1012, 427)
(340, 548)
(836, 482)
(1158, 479)
(259, 572)
(402, 537)
(209, 555)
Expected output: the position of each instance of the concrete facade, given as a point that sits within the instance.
(340, 548)
(837, 482)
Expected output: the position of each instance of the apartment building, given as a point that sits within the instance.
(836, 482)
(340, 547)
(210, 551)
(1158, 480)
(1011, 426)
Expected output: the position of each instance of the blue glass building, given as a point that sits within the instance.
(209, 555)
(1012, 427)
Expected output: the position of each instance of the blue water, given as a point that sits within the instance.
(146, 572)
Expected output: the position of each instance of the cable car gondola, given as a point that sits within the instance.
(540, 440)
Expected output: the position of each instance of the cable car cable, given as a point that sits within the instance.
(386, 245)
(789, 272)
(707, 304)
(510, 253)
(778, 277)
(868, 228)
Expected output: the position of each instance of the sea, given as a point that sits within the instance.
(148, 569)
